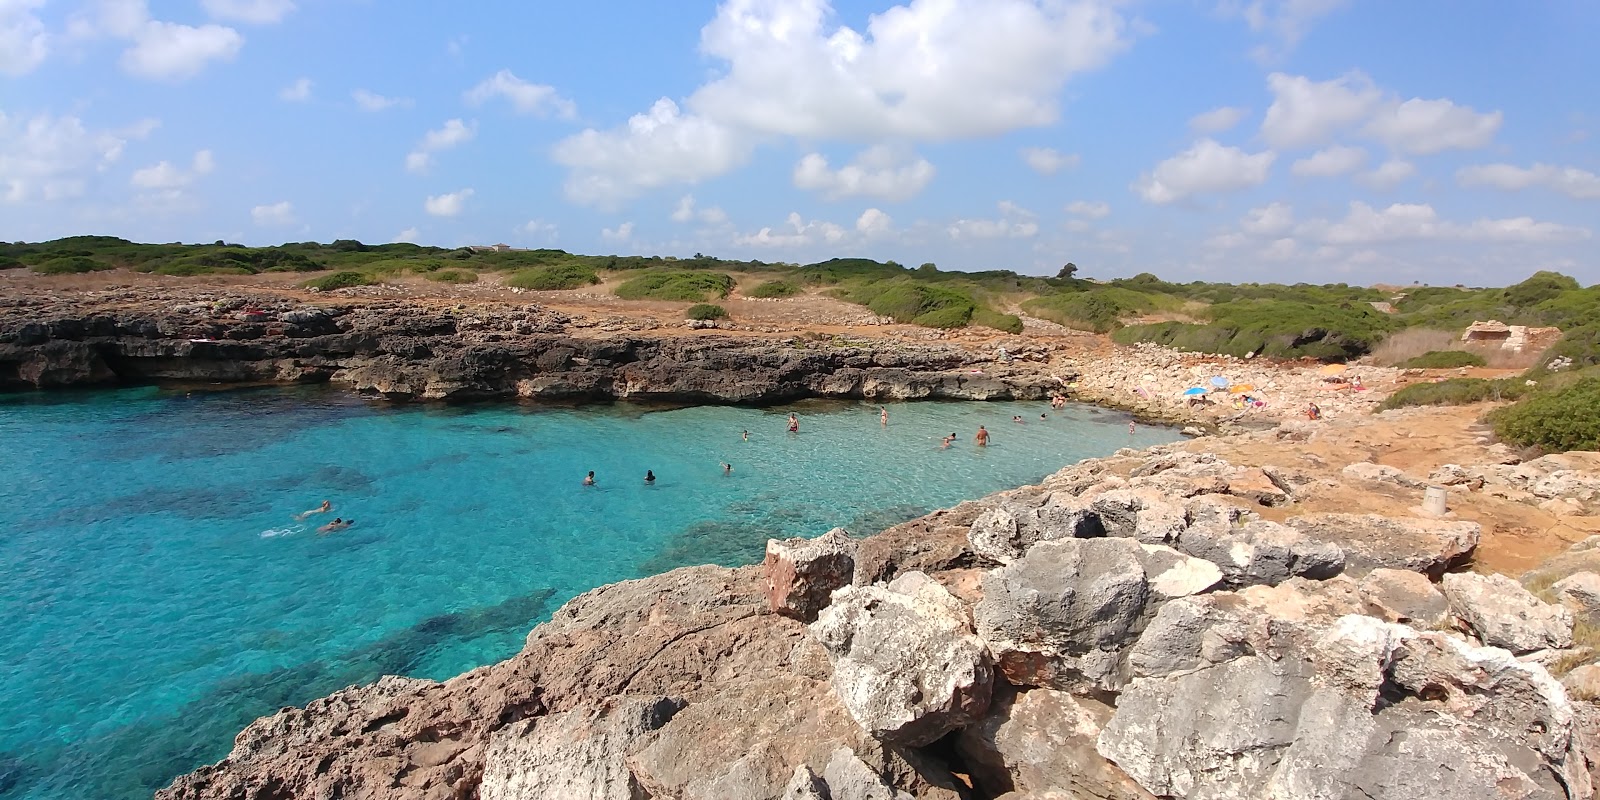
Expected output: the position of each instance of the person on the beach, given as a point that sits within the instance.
(649, 476)
(794, 424)
(1312, 412)
(947, 441)
(883, 416)
(727, 469)
(322, 509)
(588, 480)
(983, 436)
(336, 525)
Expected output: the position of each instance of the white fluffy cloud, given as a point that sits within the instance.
(1425, 127)
(1365, 225)
(275, 215)
(1014, 222)
(164, 176)
(1330, 162)
(797, 231)
(1217, 120)
(1306, 113)
(1573, 182)
(1049, 161)
(447, 205)
(688, 211)
(1269, 220)
(1388, 175)
(372, 101)
(23, 41)
(655, 149)
(538, 228)
(1287, 20)
(52, 158)
(1094, 210)
(297, 92)
(525, 97)
(873, 222)
(409, 235)
(1206, 167)
(158, 50)
(454, 133)
(884, 172)
(621, 233)
(259, 12)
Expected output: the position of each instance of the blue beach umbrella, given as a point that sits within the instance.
(1194, 391)
(1220, 382)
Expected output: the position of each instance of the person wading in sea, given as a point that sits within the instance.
(983, 436)
(794, 424)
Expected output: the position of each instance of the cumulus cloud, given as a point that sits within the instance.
(873, 222)
(524, 96)
(1217, 120)
(797, 231)
(1365, 225)
(164, 176)
(1330, 162)
(884, 172)
(655, 149)
(1573, 182)
(1014, 222)
(1268, 220)
(454, 133)
(50, 158)
(1305, 113)
(1288, 21)
(1388, 175)
(24, 44)
(447, 205)
(1425, 127)
(621, 233)
(159, 50)
(1094, 210)
(259, 12)
(297, 92)
(409, 236)
(688, 211)
(539, 228)
(1048, 161)
(274, 215)
(1206, 167)
(372, 101)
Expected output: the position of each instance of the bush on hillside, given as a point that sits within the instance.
(456, 276)
(551, 278)
(70, 265)
(777, 288)
(1566, 418)
(1100, 310)
(988, 318)
(690, 286)
(339, 280)
(1274, 328)
(706, 311)
(7, 262)
(1445, 359)
(1456, 392)
(1539, 287)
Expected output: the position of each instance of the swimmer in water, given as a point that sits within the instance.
(322, 509)
(983, 436)
(747, 436)
(649, 476)
(588, 480)
(883, 415)
(946, 442)
(1130, 429)
(1044, 416)
(336, 525)
(794, 424)
(1018, 419)
(727, 469)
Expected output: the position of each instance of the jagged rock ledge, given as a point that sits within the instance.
(404, 351)
(1130, 628)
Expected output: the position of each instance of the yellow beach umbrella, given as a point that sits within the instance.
(1241, 388)
(1332, 370)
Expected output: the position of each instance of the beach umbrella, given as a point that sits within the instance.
(1190, 392)
(1241, 388)
(1332, 370)
(1220, 382)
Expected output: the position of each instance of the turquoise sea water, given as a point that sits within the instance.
(156, 595)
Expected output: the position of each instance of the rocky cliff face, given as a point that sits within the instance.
(410, 352)
(1130, 628)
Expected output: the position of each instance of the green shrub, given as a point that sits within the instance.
(1456, 392)
(1100, 310)
(1580, 345)
(989, 318)
(339, 280)
(1275, 328)
(947, 317)
(7, 262)
(690, 286)
(70, 265)
(452, 276)
(554, 277)
(706, 311)
(1539, 287)
(1566, 418)
(1445, 359)
(777, 288)
(185, 268)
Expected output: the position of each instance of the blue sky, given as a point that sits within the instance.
(1292, 140)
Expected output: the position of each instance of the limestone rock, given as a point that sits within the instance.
(1255, 485)
(1261, 552)
(1227, 702)
(1144, 515)
(1503, 614)
(578, 753)
(1041, 742)
(1371, 541)
(1172, 574)
(1380, 473)
(805, 785)
(1580, 593)
(1583, 683)
(1409, 598)
(803, 573)
(1006, 531)
(906, 663)
(1061, 615)
(849, 778)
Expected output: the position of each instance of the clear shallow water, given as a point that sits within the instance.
(156, 596)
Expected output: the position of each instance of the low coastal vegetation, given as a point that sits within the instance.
(676, 285)
(553, 277)
(775, 289)
(706, 311)
(1445, 359)
(339, 280)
